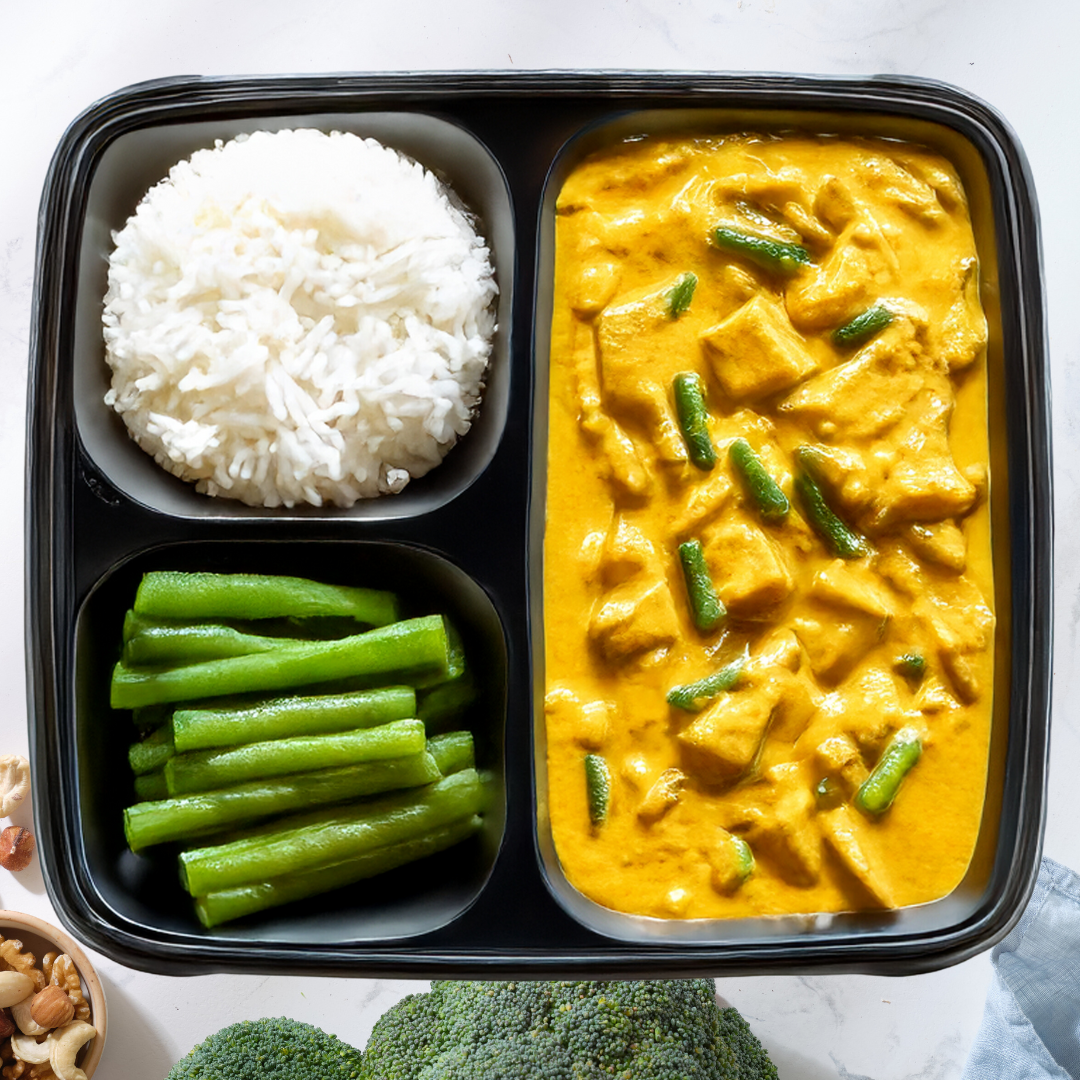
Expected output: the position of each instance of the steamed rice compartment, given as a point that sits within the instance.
(297, 317)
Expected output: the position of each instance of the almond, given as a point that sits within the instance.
(51, 1007)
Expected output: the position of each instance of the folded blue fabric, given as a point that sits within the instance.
(1031, 1027)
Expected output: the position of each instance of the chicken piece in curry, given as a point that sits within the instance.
(768, 598)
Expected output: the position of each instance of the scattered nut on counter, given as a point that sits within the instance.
(14, 783)
(16, 848)
(50, 1020)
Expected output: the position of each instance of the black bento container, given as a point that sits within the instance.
(467, 539)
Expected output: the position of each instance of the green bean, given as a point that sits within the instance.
(771, 502)
(455, 667)
(266, 831)
(277, 629)
(693, 697)
(206, 770)
(151, 717)
(828, 794)
(880, 787)
(453, 751)
(774, 256)
(151, 786)
(170, 594)
(694, 419)
(732, 862)
(442, 705)
(152, 752)
(228, 904)
(188, 816)
(841, 540)
(415, 644)
(706, 607)
(302, 843)
(912, 666)
(744, 857)
(597, 787)
(678, 298)
(174, 644)
(281, 718)
(863, 327)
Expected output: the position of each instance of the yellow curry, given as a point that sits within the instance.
(768, 598)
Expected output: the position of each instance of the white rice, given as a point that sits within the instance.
(298, 318)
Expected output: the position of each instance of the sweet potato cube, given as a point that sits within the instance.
(835, 645)
(634, 339)
(661, 796)
(755, 352)
(921, 481)
(854, 843)
(634, 618)
(626, 552)
(749, 571)
(785, 829)
(844, 586)
(871, 710)
(723, 742)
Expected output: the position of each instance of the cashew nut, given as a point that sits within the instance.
(14, 986)
(14, 783)
(64, 1043)
(28, 1049)
(20, 1013)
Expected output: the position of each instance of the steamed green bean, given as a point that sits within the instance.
(206, 770)
(280, 718)
(173, 594)
(188, 816)
(296, 845)
(226, 905)
(415, 644)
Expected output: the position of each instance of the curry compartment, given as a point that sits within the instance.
(835, 334)
(833, 243)
(467, 540)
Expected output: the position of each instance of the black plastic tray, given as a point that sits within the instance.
(98, 513)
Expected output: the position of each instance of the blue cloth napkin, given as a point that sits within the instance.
(1031, 1027)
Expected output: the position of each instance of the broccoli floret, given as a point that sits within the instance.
(645, 1030)
(269, 1049)
(754, 1063)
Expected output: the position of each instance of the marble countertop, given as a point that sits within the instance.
(61, 56)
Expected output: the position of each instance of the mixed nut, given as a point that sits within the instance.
(16, 843)
(44, 1015)
(16, 847)
(14, 783)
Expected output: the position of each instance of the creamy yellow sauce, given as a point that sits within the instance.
(897, 432)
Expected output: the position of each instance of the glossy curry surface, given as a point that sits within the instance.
(753, 800)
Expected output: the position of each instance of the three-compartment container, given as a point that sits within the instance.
(467, 538)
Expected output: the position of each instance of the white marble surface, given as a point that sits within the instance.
(60, 55)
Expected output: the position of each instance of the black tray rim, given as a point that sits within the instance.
(173, 99)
